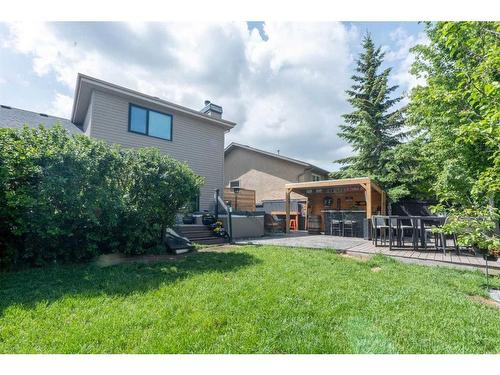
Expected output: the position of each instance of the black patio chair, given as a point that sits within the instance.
(399, 230)
(429, 232)
(379, 224)
(452, 236)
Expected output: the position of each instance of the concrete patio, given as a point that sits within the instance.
(360, 246)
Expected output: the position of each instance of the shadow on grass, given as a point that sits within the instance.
(50, 284)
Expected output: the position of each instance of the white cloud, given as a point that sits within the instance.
(286, 93)
(401, 53)
(61, 106)
(294, 94)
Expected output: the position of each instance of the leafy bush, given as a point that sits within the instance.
(474, 228)
(65, 198)
(157, 187)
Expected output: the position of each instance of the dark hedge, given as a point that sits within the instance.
(69, 198)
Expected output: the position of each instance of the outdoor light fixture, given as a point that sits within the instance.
(236, 190)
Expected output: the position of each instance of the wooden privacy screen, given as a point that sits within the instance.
(244, 202)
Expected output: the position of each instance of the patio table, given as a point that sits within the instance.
(418, 224)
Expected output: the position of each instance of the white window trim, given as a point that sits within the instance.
(318, 177)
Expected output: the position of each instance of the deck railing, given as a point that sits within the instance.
(219, 202)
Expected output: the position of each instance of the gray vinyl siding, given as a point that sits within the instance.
(198, 143)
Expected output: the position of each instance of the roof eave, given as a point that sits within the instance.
(295, 161)
(267, 153)
(75, 97)
(228, 125)
(315, 169)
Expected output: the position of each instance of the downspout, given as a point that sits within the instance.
(216, 204)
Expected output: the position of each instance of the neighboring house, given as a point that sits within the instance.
(132, 119)
(265, 172)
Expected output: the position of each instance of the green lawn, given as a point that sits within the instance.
(250, 300)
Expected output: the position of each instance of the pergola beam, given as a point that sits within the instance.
(376, 187)
(365, 182)
(327, 183)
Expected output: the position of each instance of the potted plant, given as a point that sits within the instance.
(207, 218)
(218, 229)
(188, 218)
(493, 255)
(187, 211)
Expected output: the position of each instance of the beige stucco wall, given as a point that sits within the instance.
(264, 174)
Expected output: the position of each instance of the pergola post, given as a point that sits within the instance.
(384, 203)
(306, 214)
(368, 199)
(287, 211)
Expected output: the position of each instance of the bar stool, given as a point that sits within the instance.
(336, 225)
(349, 224)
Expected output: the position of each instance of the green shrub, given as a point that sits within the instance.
(474, 227)
(69, 198)
(157, 187)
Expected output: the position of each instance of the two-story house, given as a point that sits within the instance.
(132, 119)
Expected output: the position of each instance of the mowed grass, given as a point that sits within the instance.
(248, 300)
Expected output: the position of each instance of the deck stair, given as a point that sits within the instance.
(201, 234)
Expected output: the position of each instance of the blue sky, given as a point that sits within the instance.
(283, 83)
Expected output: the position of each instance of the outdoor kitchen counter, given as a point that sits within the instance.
(363, 211)
(358, 216)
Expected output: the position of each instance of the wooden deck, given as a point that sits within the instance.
(464, 258)
(356, 245)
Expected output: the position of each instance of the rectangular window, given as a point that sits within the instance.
(316, 177)
(138, 119)
(149, 122)
(234, 184)
(160, 125)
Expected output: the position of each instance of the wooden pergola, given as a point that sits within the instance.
(372, 192)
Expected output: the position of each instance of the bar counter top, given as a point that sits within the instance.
(363, 211)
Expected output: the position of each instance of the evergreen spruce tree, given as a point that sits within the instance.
(372, 128)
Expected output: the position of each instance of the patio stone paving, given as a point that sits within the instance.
(357, 245)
